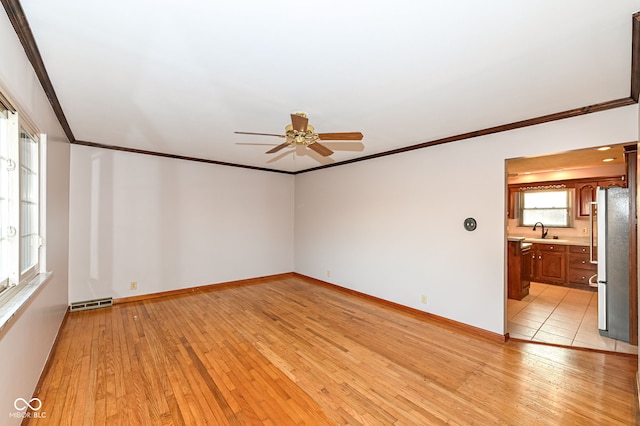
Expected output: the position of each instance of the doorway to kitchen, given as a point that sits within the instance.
(552, 283)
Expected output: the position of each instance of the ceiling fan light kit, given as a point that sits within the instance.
(300, 132)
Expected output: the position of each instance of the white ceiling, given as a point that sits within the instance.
(181, 77)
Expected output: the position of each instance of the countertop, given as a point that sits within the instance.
(567, 241)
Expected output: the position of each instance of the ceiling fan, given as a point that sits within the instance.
(300, 132)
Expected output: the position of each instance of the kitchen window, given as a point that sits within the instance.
(551, 207)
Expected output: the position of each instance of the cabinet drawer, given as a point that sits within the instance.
(580, 276)
(579, 249)
(584, 250)
(552, 247)
(581, 261)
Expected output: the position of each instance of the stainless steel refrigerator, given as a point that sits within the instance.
(611, 240)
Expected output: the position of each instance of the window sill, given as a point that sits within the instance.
(20, 296)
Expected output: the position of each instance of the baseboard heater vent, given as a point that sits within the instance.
(91, 304)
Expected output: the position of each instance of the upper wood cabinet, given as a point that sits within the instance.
(512, 203)
(614, 181)
(586, 193)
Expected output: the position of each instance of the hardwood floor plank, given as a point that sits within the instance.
(287, 351)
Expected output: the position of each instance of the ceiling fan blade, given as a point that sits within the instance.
(299, 123)
(344, 146)
(346, 136)
(260, 134)
(320, 149)
(278, 148)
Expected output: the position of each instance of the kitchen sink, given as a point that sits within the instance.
(545, 240)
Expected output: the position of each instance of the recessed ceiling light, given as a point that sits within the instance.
(603, 148)
(606, 160)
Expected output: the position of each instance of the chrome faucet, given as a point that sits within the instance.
(544, 233)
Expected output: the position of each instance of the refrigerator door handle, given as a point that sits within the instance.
(602, 305)
(592, 240)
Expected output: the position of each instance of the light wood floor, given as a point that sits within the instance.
(292, 352)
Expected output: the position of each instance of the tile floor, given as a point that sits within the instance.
(560, 315)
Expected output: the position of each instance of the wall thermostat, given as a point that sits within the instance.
(470, 224)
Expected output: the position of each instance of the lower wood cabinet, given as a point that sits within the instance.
(548, 263)
(562, 265)
(519, 268)
(580, 266)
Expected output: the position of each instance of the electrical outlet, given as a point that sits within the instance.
(328, 273)
(133, 285)
(423, 298)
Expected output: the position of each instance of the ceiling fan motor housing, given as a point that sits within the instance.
(301, 137)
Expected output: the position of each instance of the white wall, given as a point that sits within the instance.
(169, 224)
(26, 341)
(393, 227)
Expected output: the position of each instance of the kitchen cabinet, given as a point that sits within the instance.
(586, 193)
(580, 267)
(614, 181)
(519, 267)
(512, 202)
(548, 263)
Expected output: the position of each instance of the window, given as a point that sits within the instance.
(29, 205)
(551, 207)
(20, 239)
(4, 202)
